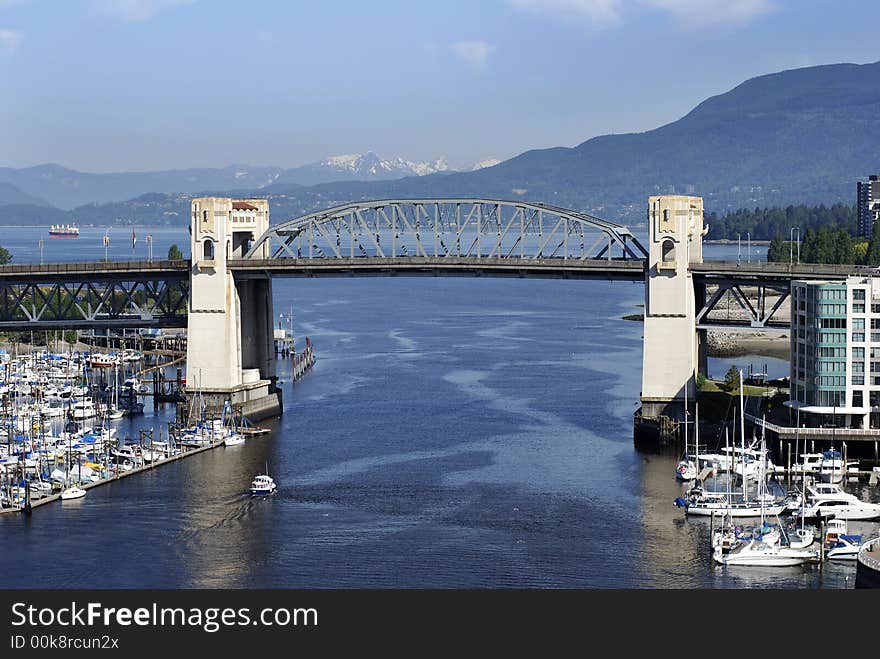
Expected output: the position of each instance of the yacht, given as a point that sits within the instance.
(263, 485)
(828, 499)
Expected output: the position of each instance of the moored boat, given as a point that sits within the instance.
(838, 543)
(72, 492)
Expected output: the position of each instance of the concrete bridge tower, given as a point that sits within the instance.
(672, 350)
(230, 351)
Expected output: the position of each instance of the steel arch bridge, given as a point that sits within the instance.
(463, 228)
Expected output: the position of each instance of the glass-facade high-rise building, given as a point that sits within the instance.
(835, 352)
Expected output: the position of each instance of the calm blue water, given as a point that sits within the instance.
(453, 433)
(24, 244)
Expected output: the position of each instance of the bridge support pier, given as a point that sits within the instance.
(230, 354)
(673, 350)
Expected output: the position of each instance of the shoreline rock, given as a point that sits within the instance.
(737, 343)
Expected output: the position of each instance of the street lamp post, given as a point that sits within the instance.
(798, 244)
(149, 247)
(791, 246)
(738, 247)
(106, 245)
(749, 239)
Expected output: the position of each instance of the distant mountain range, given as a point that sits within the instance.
(54, 185)
(798, 136)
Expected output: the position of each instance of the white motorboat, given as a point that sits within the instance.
(809, 464)
(263, 485)
(838, 543)
(83, 409)
(72, 492)
(233, 439)
(151, 455)
(826, 499)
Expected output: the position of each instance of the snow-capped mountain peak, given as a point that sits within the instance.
(369, 167)
(372, 165)
(482, 164)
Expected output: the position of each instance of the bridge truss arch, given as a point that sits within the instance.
(432, 228)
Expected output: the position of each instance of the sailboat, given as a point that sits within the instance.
(233, 437)
(759, 550)
(705, 503)
(802, 536)
(111, 410)
(72, 492)
(686, 469)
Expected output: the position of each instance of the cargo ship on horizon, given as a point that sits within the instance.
(64, 231)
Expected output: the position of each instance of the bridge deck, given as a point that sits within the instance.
(619, 269)
(94, 270)
(779, 271)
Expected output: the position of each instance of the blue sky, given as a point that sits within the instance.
(122, 85)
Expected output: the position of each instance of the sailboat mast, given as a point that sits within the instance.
(742, 433)
(685, 420)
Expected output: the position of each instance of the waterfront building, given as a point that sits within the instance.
(868, 204)
(835, 352)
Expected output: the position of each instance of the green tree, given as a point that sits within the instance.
(860, 251)
(5, 256)
(731, 380)
(777, 250)
(174, 253)
(873, 255)
(842, 248)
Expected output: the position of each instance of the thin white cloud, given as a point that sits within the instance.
(135, 11)
(475, 52)
(10, 40)
(701, 13)
(6, 4)
(599, 13)
(610, 13)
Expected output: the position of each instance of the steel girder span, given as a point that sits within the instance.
(84, 302)
(430, 228)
